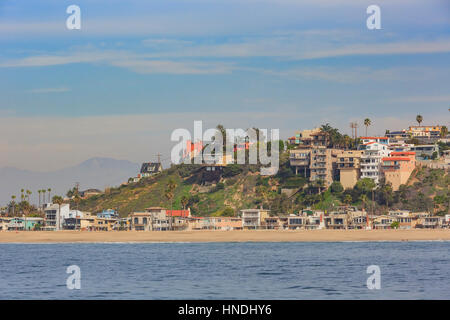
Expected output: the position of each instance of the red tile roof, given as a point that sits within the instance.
(396, 159)
(399, 153)
(177, 213)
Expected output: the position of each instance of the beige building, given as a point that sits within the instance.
(348, 164)
(397, 168)
(254, 218)
(94, 223)
(317, 163)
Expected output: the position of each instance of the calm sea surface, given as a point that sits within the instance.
(409, 270)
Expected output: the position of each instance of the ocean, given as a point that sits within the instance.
(337, 270)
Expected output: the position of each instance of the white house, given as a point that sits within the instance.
(54, 215)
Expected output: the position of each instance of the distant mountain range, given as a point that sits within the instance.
(96, 173)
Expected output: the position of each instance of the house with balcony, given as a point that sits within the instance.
(336, 221)
(348, 164)
(383, 222)
(380, 140)
(371, 157)
(430, 222)
(152, 219)
(24, 223)
(54, 215)
(397, 168)
(425, 152)
(254, 218)
(95, 223)
(404, 217)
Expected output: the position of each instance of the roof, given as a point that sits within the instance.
(396, 159)
(380, 138)
(151, 167)
(178, 213)
(398, 153)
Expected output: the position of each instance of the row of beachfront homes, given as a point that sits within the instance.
(161, 219)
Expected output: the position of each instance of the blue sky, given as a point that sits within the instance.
(137, 70)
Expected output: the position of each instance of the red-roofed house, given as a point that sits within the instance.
(178, 213)
(397, 168)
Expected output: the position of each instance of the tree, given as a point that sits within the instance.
(395, 225)
(169, 193)
(365, 186)
(419, 119)
(184, 202)
(13, 198)
(49, 193)
(367, 123)
(39, 191)
(444, 131)
(43, 196)
(336, 187)
(347, 199)
(363, 199)
(59, 201)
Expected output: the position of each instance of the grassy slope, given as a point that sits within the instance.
(248, 189)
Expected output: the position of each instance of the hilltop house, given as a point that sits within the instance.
(397, 168)
(149, 169)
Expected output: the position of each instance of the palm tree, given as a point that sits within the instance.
(171, 186)
(367, 123)
(58, 200)
(419, 119)
(77, 199)
(347, 199)
(39, 191)
(363, 199)
(43, 196)
(28, 195)
(13, 198)
(49, 193)
(184, 202)
(444, 131)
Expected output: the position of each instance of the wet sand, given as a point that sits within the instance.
(223, 236)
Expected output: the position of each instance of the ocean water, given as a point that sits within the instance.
(408, 270)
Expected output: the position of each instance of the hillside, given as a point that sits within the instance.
(241, 187)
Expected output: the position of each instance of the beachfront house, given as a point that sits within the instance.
(253, 218)
(53, 215)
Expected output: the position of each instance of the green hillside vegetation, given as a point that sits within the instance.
(241, 186)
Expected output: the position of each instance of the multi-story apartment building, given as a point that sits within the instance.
(348, 164)
(370, 164)
(317, 163)
(397, 168)
(323, 163)
(300, 160)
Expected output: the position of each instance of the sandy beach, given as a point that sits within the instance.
(223, 236)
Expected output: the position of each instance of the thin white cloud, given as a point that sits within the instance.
(423, 99)
(49, 90)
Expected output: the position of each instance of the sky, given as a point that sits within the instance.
(137, 70)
